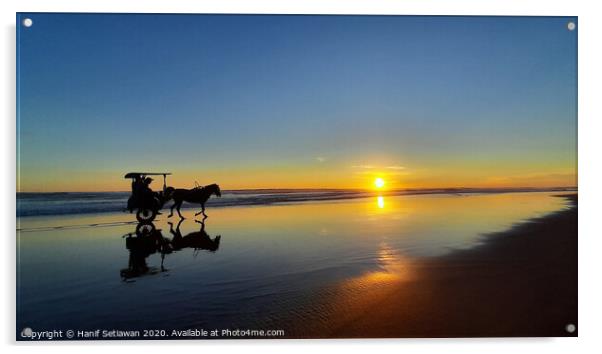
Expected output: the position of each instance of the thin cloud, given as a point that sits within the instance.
(372, 167)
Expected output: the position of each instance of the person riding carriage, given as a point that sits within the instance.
(141, 189)
(143, 198)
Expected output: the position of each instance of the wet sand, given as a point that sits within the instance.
(522, 282)
(372, 267)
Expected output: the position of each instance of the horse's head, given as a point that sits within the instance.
(215, 243)
(215, 190)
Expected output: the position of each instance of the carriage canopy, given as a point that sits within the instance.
(144, 174)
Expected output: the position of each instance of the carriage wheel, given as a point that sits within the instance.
(145, 215)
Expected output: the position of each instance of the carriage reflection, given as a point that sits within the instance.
(147, 240)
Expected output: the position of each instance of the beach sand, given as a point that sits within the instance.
(404, 266)
(522, 282)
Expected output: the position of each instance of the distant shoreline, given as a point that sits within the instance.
(356, 190)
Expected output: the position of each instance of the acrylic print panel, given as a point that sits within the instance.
(267, 176)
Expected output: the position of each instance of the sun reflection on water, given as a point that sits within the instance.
(380, 201)
(392, 267)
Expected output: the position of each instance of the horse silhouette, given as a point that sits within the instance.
(197, 195)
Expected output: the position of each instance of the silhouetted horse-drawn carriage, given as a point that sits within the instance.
(148, 240)
(148, 203)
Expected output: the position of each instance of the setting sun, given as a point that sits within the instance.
(379, 182)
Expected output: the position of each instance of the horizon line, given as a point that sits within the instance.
(524, 188)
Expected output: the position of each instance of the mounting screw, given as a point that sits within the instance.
(26, 332)
(571, 26)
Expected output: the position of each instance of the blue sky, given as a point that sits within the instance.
(311, 101)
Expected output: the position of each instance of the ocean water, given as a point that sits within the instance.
(270, 269)
(36, 204)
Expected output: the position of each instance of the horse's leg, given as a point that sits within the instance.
(202, 211)
(171, 210)
(178, 209)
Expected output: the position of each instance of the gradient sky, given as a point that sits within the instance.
(296, 101)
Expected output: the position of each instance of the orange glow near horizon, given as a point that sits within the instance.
(290, 176)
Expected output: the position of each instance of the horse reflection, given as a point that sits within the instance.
(198, 240)
(148, 240)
